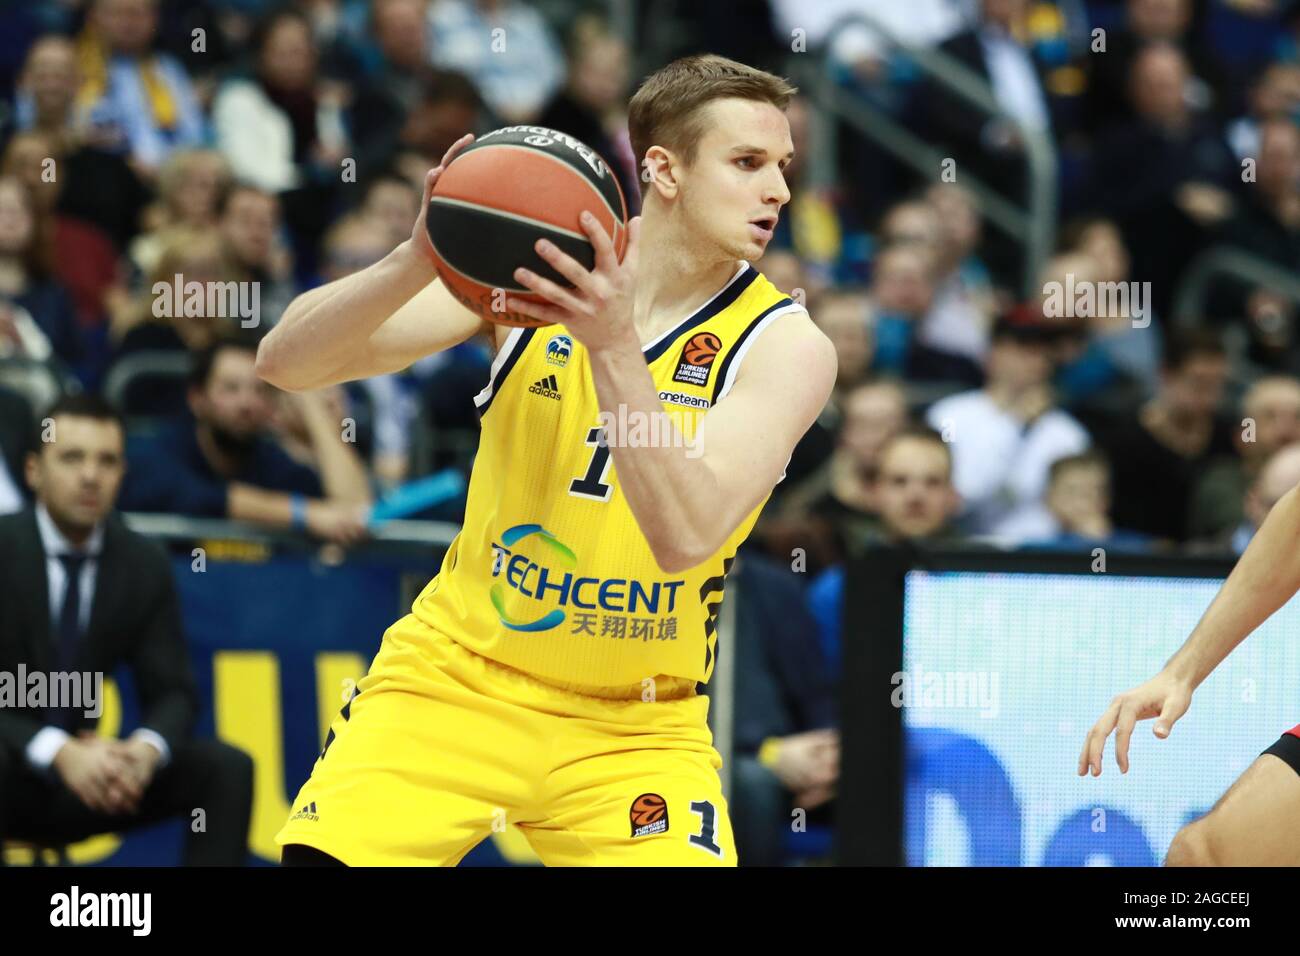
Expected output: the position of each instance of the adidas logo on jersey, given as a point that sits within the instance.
(307, 813)
(548, 387)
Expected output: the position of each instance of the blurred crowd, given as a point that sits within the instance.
(974, 408)
(262, 148)
(283, 144)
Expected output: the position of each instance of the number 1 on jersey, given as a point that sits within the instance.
(592, 484)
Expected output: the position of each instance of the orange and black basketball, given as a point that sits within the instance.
(702, 348)
(505, 191)
(647, 809)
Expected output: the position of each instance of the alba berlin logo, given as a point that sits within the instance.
(562, 556)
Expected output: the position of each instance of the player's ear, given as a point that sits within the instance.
(659, 169)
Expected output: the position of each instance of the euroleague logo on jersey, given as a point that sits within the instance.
(697, 357)
(648, 814)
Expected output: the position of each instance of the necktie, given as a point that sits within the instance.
(69, 629)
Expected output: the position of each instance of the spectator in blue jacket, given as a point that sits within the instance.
(221, 464)
(786, 744)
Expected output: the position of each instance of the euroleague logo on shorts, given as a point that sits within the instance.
(649, 814)
(697, 359)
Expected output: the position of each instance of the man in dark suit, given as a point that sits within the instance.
(80, 594)
(992, 50)
(992, 148)
(16, 439)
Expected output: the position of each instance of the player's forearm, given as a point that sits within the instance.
(667, 486)
(323, 330)
(1265, 578)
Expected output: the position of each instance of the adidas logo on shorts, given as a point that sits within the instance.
(307, 813)
(548, 387)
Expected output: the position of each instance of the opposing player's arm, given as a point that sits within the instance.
(688, 502)
(1266, 577)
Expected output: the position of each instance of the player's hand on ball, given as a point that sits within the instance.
(598, 309)
(419, 232)
(1165, 697)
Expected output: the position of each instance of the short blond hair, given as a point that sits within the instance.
(667, 108)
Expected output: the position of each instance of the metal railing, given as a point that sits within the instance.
(173, 527)
(1033, 225)
(1227, 262)
(145, 364)
(40, 383)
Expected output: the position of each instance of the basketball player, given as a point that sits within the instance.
(1253, 824)
(547, 677)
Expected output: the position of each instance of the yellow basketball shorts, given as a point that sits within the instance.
(441, 746)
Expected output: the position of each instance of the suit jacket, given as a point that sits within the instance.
(955, 113)
(952, 122)
(134, 620)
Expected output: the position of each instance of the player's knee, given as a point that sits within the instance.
(1193, 845)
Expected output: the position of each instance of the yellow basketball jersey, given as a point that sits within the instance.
(550, 573)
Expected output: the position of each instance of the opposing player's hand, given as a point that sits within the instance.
(419, 232)
(598, 309)
(1164, 697)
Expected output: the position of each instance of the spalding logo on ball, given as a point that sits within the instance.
(501, 194)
